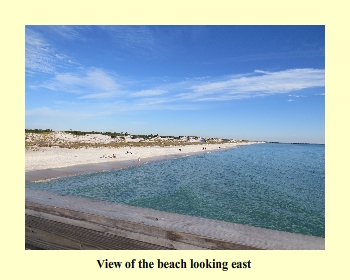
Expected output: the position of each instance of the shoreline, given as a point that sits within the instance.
(243, 237)
(54, 163)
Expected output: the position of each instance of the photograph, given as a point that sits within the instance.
(175, 137)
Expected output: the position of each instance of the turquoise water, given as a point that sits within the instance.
(275, 186)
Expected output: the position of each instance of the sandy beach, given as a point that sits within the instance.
(60, 149)
(55, 157)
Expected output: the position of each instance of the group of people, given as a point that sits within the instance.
(105, 156)
(115, 156)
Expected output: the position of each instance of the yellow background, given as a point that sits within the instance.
(16, 263)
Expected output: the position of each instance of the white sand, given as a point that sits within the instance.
(55, 157)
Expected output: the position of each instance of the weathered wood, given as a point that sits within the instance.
(69, 236)
(55, 221)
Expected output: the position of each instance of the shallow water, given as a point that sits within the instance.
(276, 186)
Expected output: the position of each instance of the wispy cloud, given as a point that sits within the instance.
(70, 32)
(149, 92)
(41, 56)
(98, 95)
(92, 83)
(163, 105)
(137, 39)
(263, 84)
(151, 42)
(99, 84)
(296, 96)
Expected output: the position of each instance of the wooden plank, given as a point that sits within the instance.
(68, 236)
(124, 229)
(146, 228)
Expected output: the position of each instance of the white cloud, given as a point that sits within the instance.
(149, 92)
(267, 84)
(69, 32)
(40, 56)
(260, 71)
(238, 86)
(98, 84)
(60, 56)
(93, 83)
(297, 96)
(224, 97)
(139, 40)
(98, 95)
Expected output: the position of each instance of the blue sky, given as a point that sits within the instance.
(239, 82)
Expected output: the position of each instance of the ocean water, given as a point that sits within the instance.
(275, 186)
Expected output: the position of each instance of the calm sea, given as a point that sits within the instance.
(275, 186)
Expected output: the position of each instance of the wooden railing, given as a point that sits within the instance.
(58, 222)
